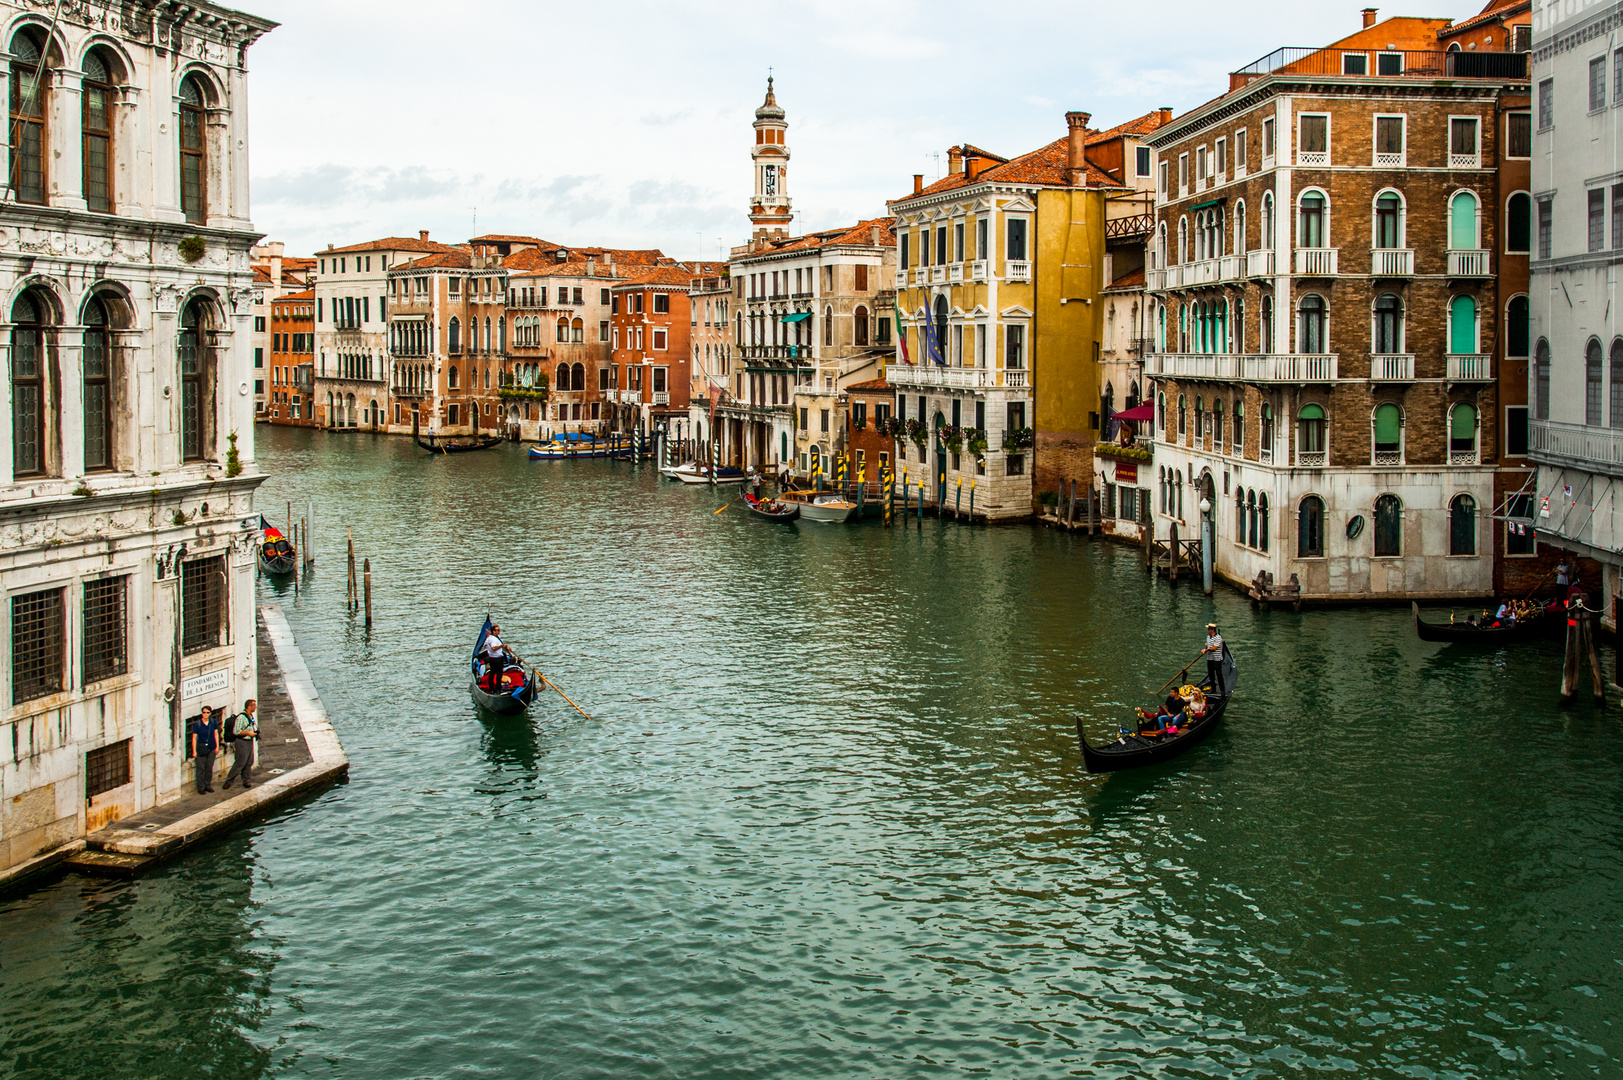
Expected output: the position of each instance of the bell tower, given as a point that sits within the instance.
(769, 206)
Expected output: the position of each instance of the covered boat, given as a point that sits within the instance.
(276, 554)
(1138, 747)
(510, 690)
(1542, 623)
(822, 506)
(771, 509)
(696, 473)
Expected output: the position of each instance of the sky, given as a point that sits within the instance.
(626, 123)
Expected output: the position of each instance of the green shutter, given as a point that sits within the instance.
(1388, 424)
(1462, 325)
(1462, 426)
(1312, 412)
(1462, 222)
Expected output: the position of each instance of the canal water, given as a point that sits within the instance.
(828, 819)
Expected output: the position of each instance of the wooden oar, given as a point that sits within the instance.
(718, 510)
(1181, 673)
(565, 696)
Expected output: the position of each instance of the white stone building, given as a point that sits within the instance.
(127, 521)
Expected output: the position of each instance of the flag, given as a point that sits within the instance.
(272, 534)
(932, 347)
(901, 331)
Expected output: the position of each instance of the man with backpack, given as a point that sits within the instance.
(241, 733)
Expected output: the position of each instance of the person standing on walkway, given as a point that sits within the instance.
(1214, 658)
(205, 738)
(243, 746)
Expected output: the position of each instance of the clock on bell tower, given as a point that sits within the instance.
(769, 206)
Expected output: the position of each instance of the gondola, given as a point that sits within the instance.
(1132, 751)
(770, 510)
(276, 554)
(452, 444)
(1535, 629)
(514, 690)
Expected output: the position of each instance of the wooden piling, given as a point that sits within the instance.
(368, 570)
(350, 594)
(1172, 555)
(1569, 667)
(1589, 620)
(1149, 547)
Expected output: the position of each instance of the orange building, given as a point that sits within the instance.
(292, 360)
(650, 374)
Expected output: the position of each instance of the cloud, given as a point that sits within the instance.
(333, 185)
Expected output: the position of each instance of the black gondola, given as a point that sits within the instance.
(768, 510)
(1131, 750)
(510, 691)
(452, 444)
(276, 554)
(1539, 627)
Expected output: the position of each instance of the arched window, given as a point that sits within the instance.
(1387, 421)
(1177, 488)
(1462, 435)
(96, 130)
(1267, 222)
(454, 335)
(1388, 527)
(32, 407)
(1265, 333)
(1262, 522)
(196, 382)
(1388, 325)
(1183, 416)
(1541, 380)
(30, 87)
(98, 388)
(1239, 425)
(1462, 328)
(487, 333)
(1239, 227)
(563, 377)
(501, 336)
(1267, 441)
(1310, 327)
(1516, 327)
(563, 332)
(1312, 220)
(1239, 515)
(1183, 240)
(193, 164)
(1462, 525)
(1389, 220)
(941, 309)
(577, 377)
(1592, 383)
(1200, 417)
(1519, 222)
(1161, 411)
(860, 325)
(828, 330)
(1310, 431)
(577, 331)
(1161, 245)
(1462, 222)
(1310, 528)
(1617, 383)
(1217, 423)
(1251, 518)
(451, 377)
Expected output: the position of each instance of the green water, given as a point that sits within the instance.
(829, 820)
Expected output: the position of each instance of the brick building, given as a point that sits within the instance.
(275, 274)
(869, 446)
(559, 349)
(291, 366)
(651, 371)
(1330, 330)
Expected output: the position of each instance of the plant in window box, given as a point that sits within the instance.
(951, 436)
(918, 432)
(975, 439)
(1019, 438)
(858, 422)
(192, 248)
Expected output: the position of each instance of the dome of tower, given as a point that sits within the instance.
(770, 109)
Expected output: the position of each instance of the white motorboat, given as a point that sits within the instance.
(694, 473)
(830, 508)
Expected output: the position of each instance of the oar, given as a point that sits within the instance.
(719, 509)
(565, 696)
(1181, 673)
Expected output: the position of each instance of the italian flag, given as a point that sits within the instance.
(901, 331)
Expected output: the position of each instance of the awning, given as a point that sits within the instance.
(1142, 412)
(1219, 201)
(796, 317)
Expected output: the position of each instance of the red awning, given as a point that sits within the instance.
(1142, 412)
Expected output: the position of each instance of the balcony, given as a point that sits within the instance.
(1463, 457)
(1467, 368)
(1201, 272)
(1317, 262)
(1464, 161)
(1155, 280)
(1266, 368)
(1014, 378)
(1593, 449)
(931, 375)
(1259, 263)
(1391, 367)
(662, 397)
(1467, 264)
(1017, 270)
(1391, 262)
(1229, 267)
(1388, 458)
(1310, 459)
(977, 270)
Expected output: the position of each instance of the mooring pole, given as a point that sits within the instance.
(1569, 668)
(368, 568)
(972, 500)
(1172, 555)
(350, 597)
(921, 502)
(958, 500)
(907, 495)
(1589, 620)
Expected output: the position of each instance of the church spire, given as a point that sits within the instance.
(769, 206)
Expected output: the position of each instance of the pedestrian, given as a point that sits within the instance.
(243, 746)
(1214, 658)
(205, 737)
(1562, 572)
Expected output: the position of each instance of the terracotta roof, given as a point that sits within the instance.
(1133, 279)
(1496, 10)
(1045, 166)
(262, 275)
(392, 243)
(860, 233)
(450, 259)
(571, 269)
(308, 294)
(971, 150)
(507, 238)
(536, 258)
(681, 274)
(1141, 126)
(871, 384)
(295, 262)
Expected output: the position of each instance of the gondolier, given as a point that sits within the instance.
(1214, 659)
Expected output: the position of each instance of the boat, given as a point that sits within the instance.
(452, 444)
(695, 473)
(1132, 750)
(771, 509)
(822, 506)
(276, 554)
(1540, 626)
(514, 689)
(574, 446)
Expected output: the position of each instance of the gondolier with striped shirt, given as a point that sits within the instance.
(1214, 658)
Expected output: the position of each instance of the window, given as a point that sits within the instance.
(1311, 231)
(454, 335)
(1597, 83)
(1544, 228)
(1014, 355)
(30, 82)
(1592, 384)
(1262, 522)
(1617, 216)
(1239, 152)
(1462, 435)
(1616, 384)
(862, 269)
(1017, 239)
(1617, 76)
(1310, 329)
(98, 400)
(662, 303)
(1183, 416)
(193, 171)
(1251, 516)
(196, 346)
(1388, 527)
(1389, 141)
(603, 330)
(202, 604)
(860, 322)
(1462, 222)
(1541, 380)
(1142, 160)
(1516, 327)
(107, 768)
(1546, 104)
(1313, 139)
(1388, 325)
(1388, 431)
(1183, 173)
(1162, 181)
(1519, 221)
(1462, 327)
(1462, 525)
(105, 652)
(659, 339)
(1389, 63)
(1311, 425)
(1516, 431)
(1389, 220)
(1268, 150)
(31, 404)
(38, 630)
(902, 255)
(1519, 133)
(1355, 63)
(1597, 219)
(942, 256)
(1239, 425)
(96, 131)
(451, 378)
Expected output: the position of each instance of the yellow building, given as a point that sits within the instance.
(1000, 266)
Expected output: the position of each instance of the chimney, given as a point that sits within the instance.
(422, 234)
(591, 267)
(873, 235)
(1076, 164)
(918, 182)
(1369, 17)
(955, 161)
(329, 247)
(1166, 114)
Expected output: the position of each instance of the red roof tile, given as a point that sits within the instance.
(449, 259)
(308, 294)
(871, 385)
(1046, 166)
(860, 233)
(392, 243)
(1133, 279)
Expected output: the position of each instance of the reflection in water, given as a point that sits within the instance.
(829, 819)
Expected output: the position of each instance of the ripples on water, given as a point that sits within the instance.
(830, 821)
